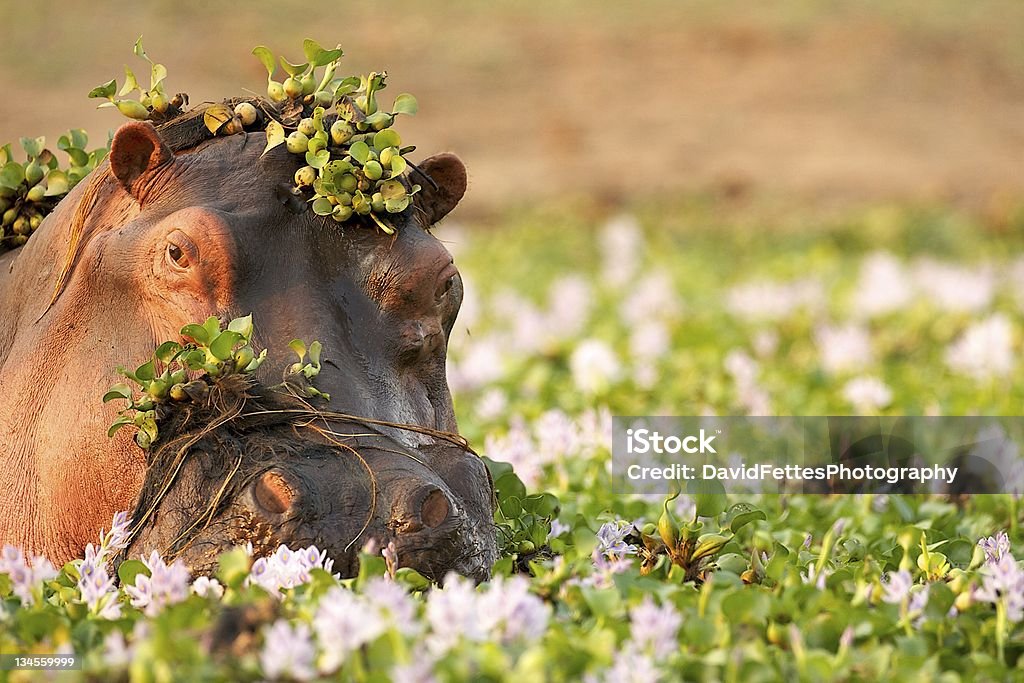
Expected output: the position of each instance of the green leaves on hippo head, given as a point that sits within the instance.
(152, 103)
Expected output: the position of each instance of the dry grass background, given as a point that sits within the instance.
(823, 102)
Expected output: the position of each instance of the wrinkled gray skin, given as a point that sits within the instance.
(170, 237)
(268, 479)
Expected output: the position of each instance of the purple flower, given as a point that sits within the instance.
(25, 577)
(166, 585)
(896, 588)
(286, 568)
(629, 666)
(393, 604)
(1003, 581)
(288, 652)
(995, 547)
(558, 528)
(612, 539)
(654, 629)
(344, 622)
(509, 612)
(419, 670)
(452, 613)
(205, 587)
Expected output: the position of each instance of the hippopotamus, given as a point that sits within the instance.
(174, 227)
(250, 466)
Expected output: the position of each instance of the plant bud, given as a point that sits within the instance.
(293, 87)
(35, 221)
(9, 216)
(360, 204)
(275, 91)
(526, 547)
(305, 176)
(246, 113)
(143, 440)
(19, 240)
(21, 226)
(36, 193)
(33, 172)
(178, 393)
(178, 101)
(347, 183)
(243, 357)
(396, 205)
(377, 202)
(133, 109)
(307, 127)
(342, 213)
(341, 132)
(297, 143)
(386, 155)
(308, 84)
(159, 102)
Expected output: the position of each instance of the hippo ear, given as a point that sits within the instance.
(439, 197)
(137, 151)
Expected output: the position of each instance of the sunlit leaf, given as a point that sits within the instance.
(267, 58)
(405, 104)
(275, 136)
(106, 90)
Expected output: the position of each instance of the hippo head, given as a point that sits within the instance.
(263, 467)
(181, 226)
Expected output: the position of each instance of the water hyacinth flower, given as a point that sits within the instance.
(765, 300)
(167, 584)
(1003, 583)
(629, 666)
(654, 629)
(344, 622)
(884, 286)
(995, 547)
(621, 242)
(955, 288)
(896, 587)
(510, 612)
(843, 348)
(985, 350)
(26, 577)
(288, 652)
(594, 366)
(867, 394)
(286, 568)
(611, 539)
(206, 587)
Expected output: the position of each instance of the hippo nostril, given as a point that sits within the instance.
(273, 493)
(435, 509)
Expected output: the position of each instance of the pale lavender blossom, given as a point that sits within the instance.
(621, 242)
(556, 436)
(995, 547)
(491, 405)
(744, 371)
(884, 286)
(815, 578)
(843, 348)
(594, 366)
(867, 394)
(286, 568)
(25, 576)
(97, 587)
(654, 629)
(481, 364)
(517, 448)
(288, 652)
(390, 555)
(1003, 582)
(206, 587)
(916, 605)
(766, 343)
(985, 350)
(652, 297)
(770, 300)
(953, 287)
(558, 528)
(453, 613)
(649, 339)
(611, 539)
(569, 302)
(629, 666)
(994, 445)
(896, 587)
(344, 622)
(510, 613)
(419, 670)
(167, 584)
(393, 604)
(119, 535)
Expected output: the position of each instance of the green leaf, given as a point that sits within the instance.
(12, 175)
(79, 138)
(709, 496)
(275, 136)
(118, 391)
(359, 151)
(129, 569)
(139, 51)
(314, 353)
(166, 351)
(146, 372)
(242, 326)
(132, 109)
(293, 69)
(299, 347)
(130, 83)
(33, 146)
(157, 75)
(742, 514)
(223, 347)
(78, 156)
(56, 184)
(318, 160)
(388, 137)
(405, 104)
(322, 206)
(212, 326)
(267, 58)
(197, 333)
(398, 166)
(117, 424)
(106, 90)
(216, 116)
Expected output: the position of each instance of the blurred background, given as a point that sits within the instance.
(675, 207)
(823, 103)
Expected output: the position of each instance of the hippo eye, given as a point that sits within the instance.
(445, 287)
(177, 256)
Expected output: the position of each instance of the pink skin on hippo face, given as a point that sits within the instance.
(169, 233)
